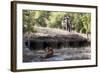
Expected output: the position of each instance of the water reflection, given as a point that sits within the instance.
(79, 53)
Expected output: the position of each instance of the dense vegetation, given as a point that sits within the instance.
(81, 22)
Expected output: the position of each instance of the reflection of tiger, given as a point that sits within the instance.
(49, 52)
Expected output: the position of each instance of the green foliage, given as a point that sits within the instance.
(41, 18)
(28, 21)
(80, 21)
(55, 19)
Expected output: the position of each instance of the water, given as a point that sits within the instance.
(62, 54)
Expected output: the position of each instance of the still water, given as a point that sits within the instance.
(63, 54)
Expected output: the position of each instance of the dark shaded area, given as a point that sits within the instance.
(72, 40)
